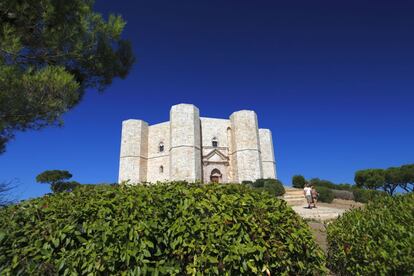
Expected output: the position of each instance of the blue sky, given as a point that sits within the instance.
(333, 81)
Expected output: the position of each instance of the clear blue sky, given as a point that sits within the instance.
(333, 80)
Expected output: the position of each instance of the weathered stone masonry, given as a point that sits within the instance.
(194, 148)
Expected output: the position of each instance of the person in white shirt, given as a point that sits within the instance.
(307, 191)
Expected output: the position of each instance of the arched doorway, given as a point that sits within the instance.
(215, 176)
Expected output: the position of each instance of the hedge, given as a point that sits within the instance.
(375, 240)
(168, 229)
(364, 195)
(274, 186)
(328, 184)
(298, 181)
(325, 194)
(343, 194)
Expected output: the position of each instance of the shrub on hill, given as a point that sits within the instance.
(364, 196)
(343, 194)
(325, 194)
(274, 186)
(247, 182)
(298, 181)
(165, 229)
(328, 184)
(259, 183)
(375, 240)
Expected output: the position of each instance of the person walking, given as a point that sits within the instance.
(307, 191)
(314, 194)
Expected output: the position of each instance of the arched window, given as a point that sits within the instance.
(161, 147)
(215, 176)
(161, 169)
(214, 142)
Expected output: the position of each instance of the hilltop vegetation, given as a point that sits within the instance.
(375, 240)
(173, 228)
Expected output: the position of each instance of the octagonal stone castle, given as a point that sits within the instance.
(196, 149)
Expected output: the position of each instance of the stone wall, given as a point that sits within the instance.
(267, 153)
(134, 151)
(246, 146)
(185, 140)
(243, 152)
(215, 128)
(158, 161)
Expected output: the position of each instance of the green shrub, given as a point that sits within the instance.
(342, 194)
(64, 186)
(298, 181)
(274, 186)
(247, 182)
(165, 229)
(259, 183)
(328, 184)
(364, 195)
(375, 240)
(325, 194)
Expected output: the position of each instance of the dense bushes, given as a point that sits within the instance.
(375, 240)
(328, 184)
(273, 186)
(298, 181)
(343, 191)
(343, 194)
(164, 228)
(325, 195)
(364, 196)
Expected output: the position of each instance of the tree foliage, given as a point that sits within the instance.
(67, 186)
(388, 180)
(298, 181)
(5, 188)
(163, 229)
(274, 186)
(51, 51)
(56, 179)
(53, 176)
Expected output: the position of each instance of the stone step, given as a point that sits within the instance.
(296, 202)
(293, 197)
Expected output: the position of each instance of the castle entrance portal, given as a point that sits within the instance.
(215, 176)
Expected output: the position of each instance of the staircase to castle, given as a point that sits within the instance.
(294, 196)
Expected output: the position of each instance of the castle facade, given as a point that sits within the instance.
(194, 148)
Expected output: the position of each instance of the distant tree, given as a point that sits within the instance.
(373, 179)
(64, 186)
(407, 172)
(53, 176)
(370, 179)
(298, 181)
(51, 52)
(322, 183)
(5, 188)
(56, 179)
(393, 179)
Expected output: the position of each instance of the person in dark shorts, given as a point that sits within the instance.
(314, 194)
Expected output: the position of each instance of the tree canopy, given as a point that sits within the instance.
(298, 181)
(56, 179)
(51, 51)
(388, 180)
(53, 176)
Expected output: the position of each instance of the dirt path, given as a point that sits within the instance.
(325, 212)
(319, 232)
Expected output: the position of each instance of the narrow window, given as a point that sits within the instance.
(161, 169)
(161, 147)
(214, 142)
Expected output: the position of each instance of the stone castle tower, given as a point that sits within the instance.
(194, 148)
